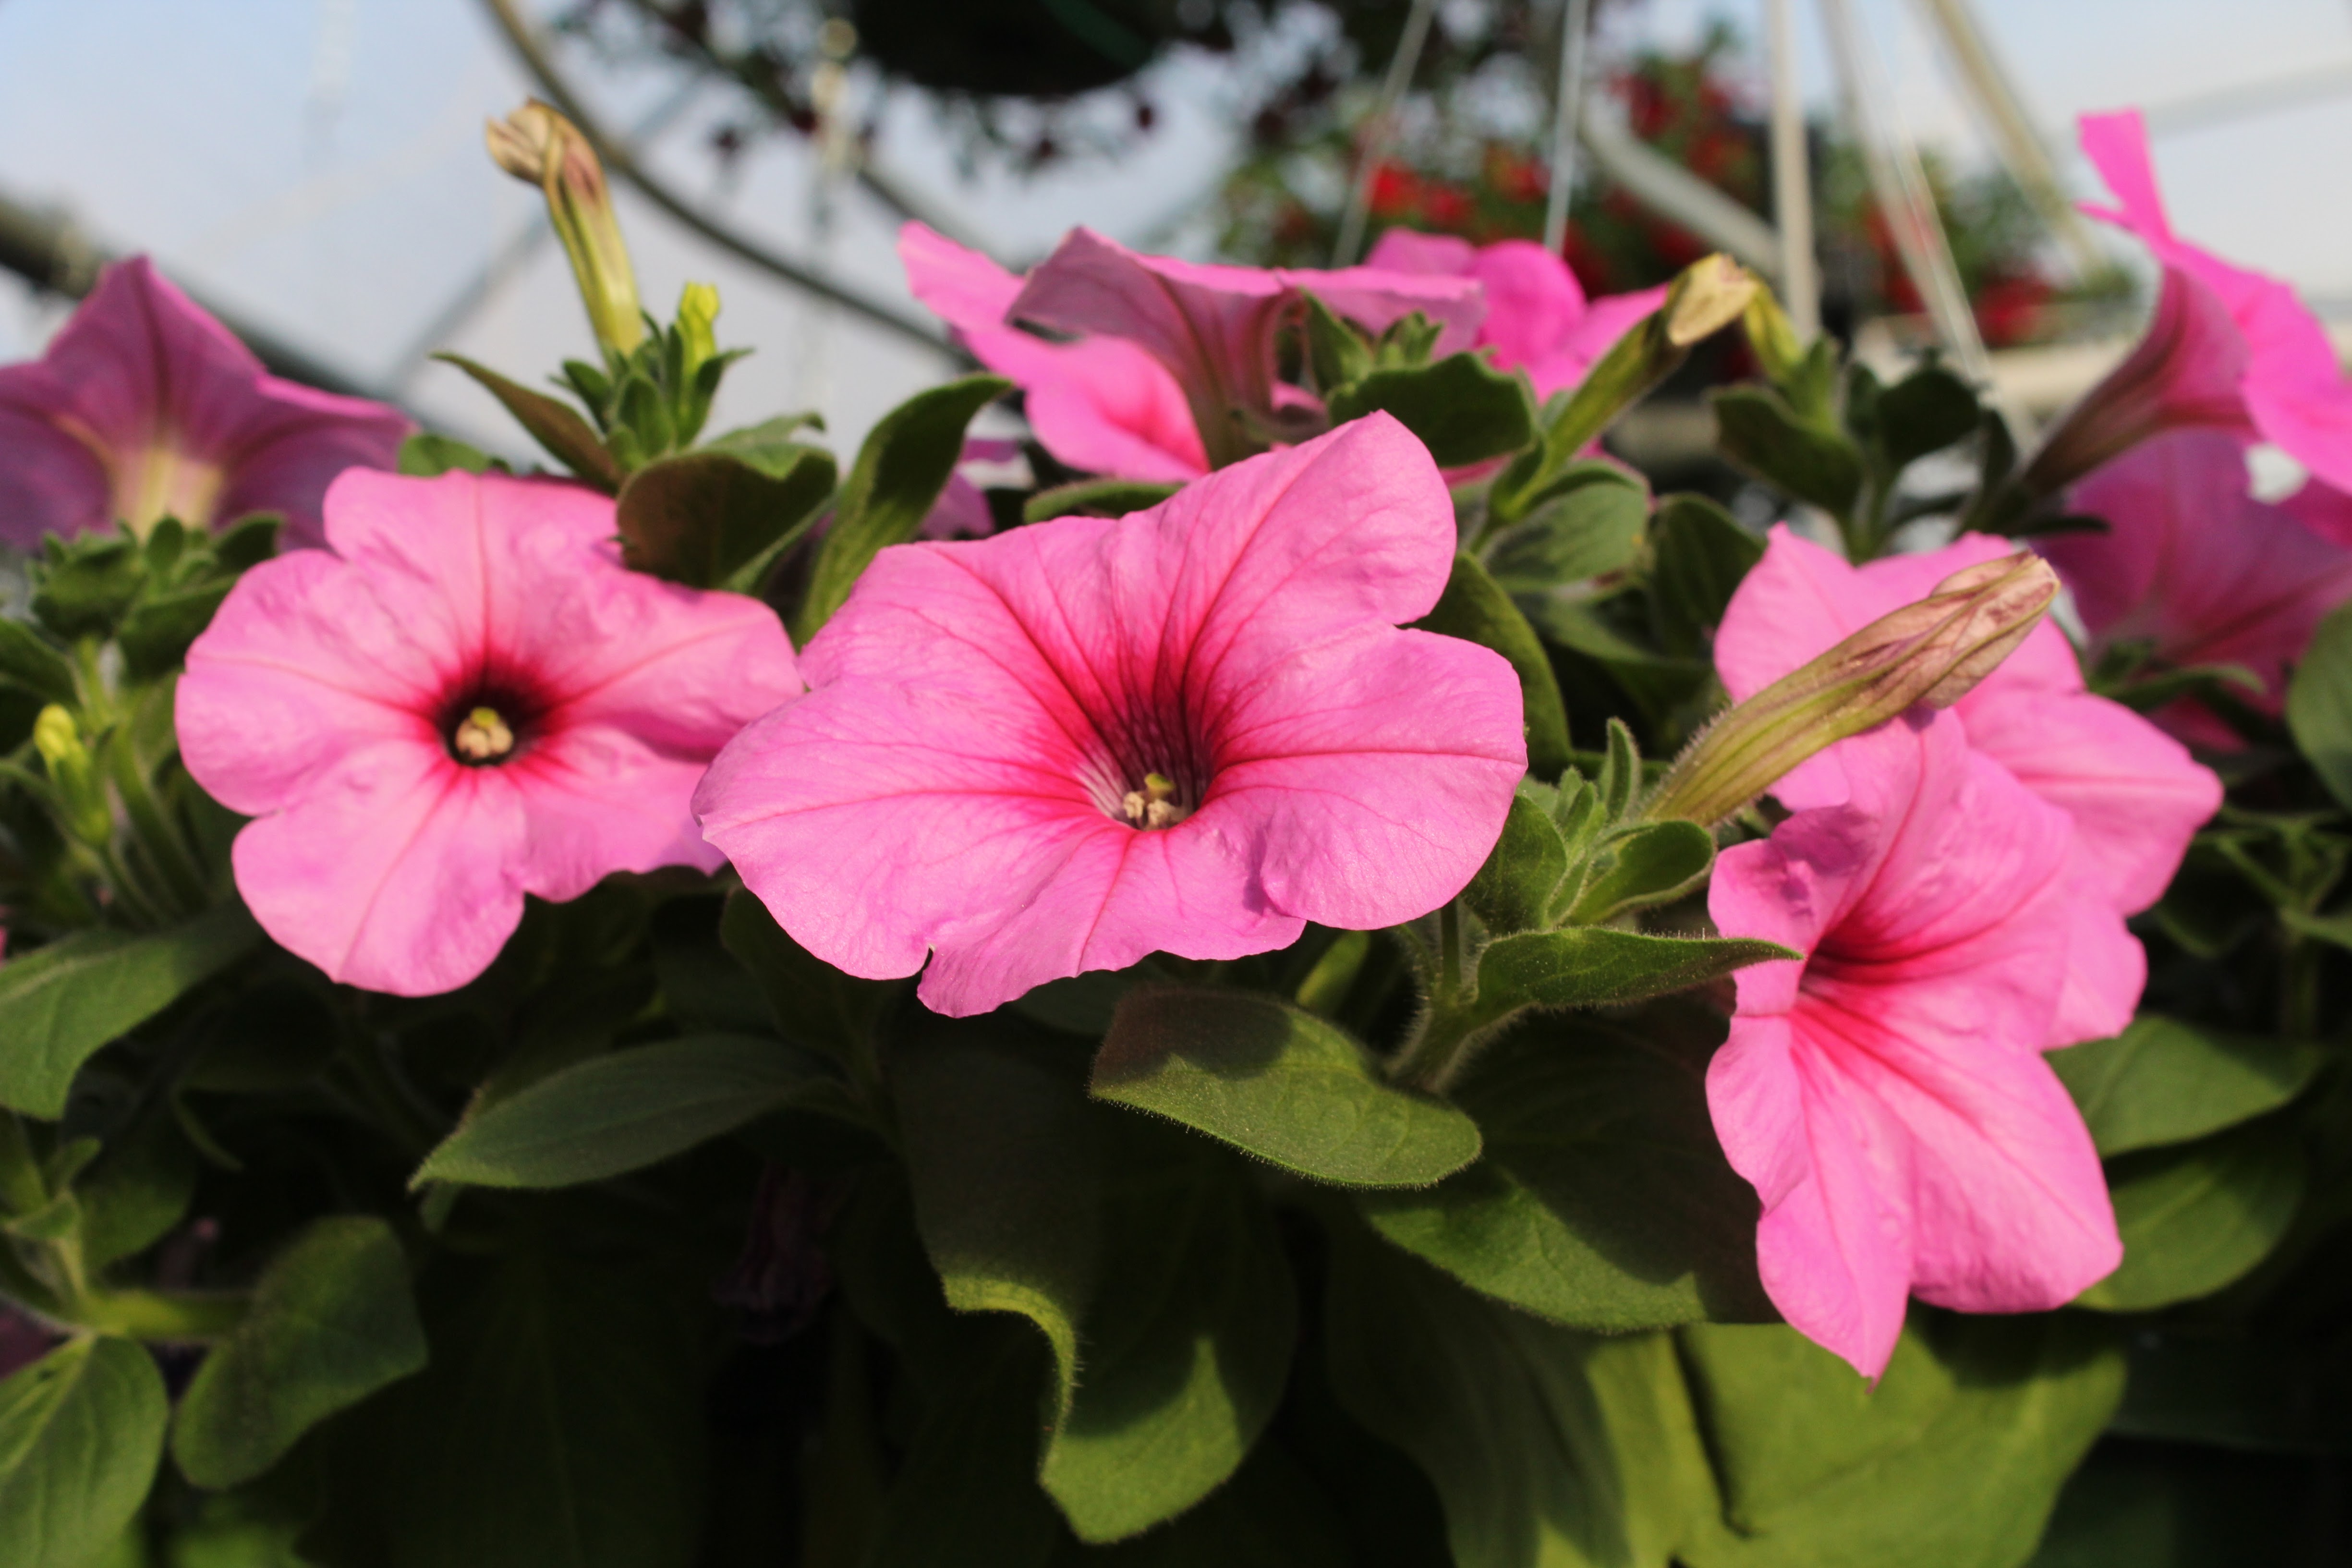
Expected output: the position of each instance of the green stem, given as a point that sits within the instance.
(156, 1314)
(156, 831)
(21, 1189)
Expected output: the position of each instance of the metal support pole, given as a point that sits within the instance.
(1567, 106)
(1402, 65)
(1793, 178)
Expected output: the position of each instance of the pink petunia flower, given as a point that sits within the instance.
(1101, 405)
(1886, 1094)
(2197, 568)
(2135, 796)
(1213, 327)
(1537, 315)
(2230, 348)
(1190, 730)
(464, 698)
(145, 407)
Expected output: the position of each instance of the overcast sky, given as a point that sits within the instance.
(316, 165)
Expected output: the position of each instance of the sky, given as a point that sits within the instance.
(316, 167)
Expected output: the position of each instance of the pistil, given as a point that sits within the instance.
(1154, 806)
(482, 737)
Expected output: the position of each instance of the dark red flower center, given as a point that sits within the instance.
(486, 723)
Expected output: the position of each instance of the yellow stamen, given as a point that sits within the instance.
(483, 737)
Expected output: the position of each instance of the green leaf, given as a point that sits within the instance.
(1001, 1158)
(136, 1190)
(1954, 1458)
(2198, 1216)
(700, 518)
(29, 661)
(554, 425)
(81, 1430)
(1604, 1200)
(2319, 704)
(1547, 1446)
(1757, 431)
(1653, 864)
(1475, 608)
(967, 1491)
(82, 587)
(1590, 528)
(2164, 1081)
(1700, 555)
(815, 1004)
(1598, 967)
(1463, 408)
(60, 1003)
(1278, 1082)
(1336, 352)
(1924, 412)
(155, 635)
(425, 456)
(1095, 497)
(1271, 1514)
(900, 473)
(332, 1321)
(623, 1110)
(1516, 887)
(1187, 1343)
(560, 1424)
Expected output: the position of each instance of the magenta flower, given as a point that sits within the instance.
(1099, 405)
(145, 407)
(2132, 792)
(1537, 318)
(2195, 567)
(2230, 348)
(464, 698)
(1190, 730)
(1213, 327)
(1886, 1094)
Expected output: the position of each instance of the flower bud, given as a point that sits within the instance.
(1712, 292)
(1931, 654)
(537, 145)
(81, 797)
(1771, 334)
(697, 312)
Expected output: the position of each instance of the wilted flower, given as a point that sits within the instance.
(2198, 571)
(465, 698)
(1886, 1094)
(1190, 729)
(2132, 792)
(2229, 348)
(1537, 318)
(145, 407)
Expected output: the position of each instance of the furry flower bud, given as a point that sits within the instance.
(1933, 652)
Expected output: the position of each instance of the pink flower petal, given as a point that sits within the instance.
(955, 780)
(1891, 1106)
(50, 481)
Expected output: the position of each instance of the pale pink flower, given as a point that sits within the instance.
(1213, 327)
(1537, 318)
(2230, 348)
(145, 407)
(2134, 795)
(1190, 729)
(1101, 405)
(1886, 1094)
(464, 697)
(2197, 569)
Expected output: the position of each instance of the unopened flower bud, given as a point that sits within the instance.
(1712, 293)
(1931, 653)
(80, 794)
(1771, 334)
(537, 145)
(697, 312)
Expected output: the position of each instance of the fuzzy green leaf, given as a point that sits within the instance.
(1650, 865)
(332, 1321)
(1597, 966)
(2198, 1216)
(1514, 888)
(1699, 556)
(1757, 431)
(2162, 1081)
(80, 1432)
(1589, 527)
(1463, 408)
(60, 1003)
(1604, 1200)
(554, 425)
(1279, 1082)
(623, 1110)
(701, 518)
(900, 473)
